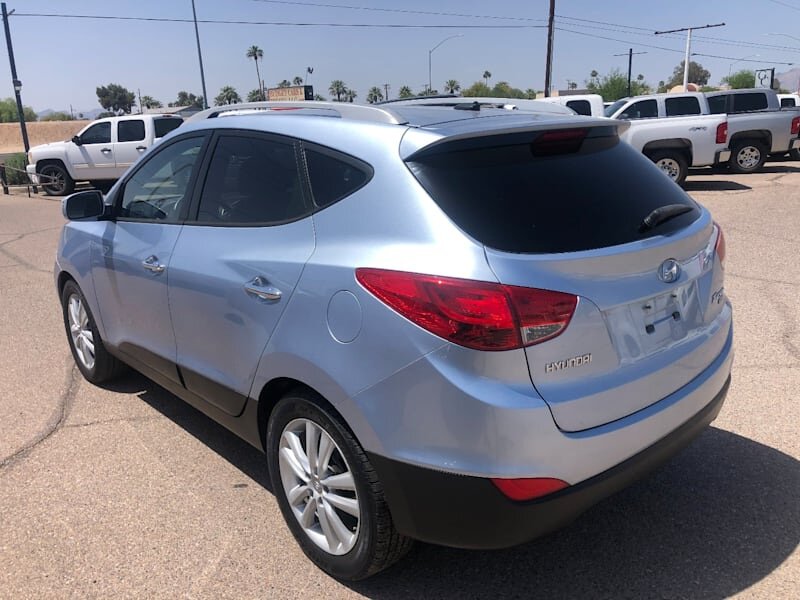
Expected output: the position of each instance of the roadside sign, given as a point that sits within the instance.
(764, 78)
(293, 93)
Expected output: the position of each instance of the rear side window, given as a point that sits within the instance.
(507, 198)
(787, 102)
(252, 181)
(334, 176)
(716, 105)
(644, 109)
(164, 126)
(682, 106)
(582, 107)
(130, 131)
(749, 102)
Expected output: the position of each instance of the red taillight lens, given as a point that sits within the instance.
(474, 314)
(795, 125)
(559, 141)
(722, 132)
(528, 489)
(719, 248)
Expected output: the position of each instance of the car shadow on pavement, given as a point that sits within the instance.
(719, 517)
(714, 185)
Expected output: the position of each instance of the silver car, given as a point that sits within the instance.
(456, 324)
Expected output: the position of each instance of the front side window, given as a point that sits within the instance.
(252, 181)
(160, 187)
(130, 131)
(644, 109)
(99, 133)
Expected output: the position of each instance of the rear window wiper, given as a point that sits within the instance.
(662, 214)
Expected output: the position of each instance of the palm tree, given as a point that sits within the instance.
(150, 102)
(285, 83)
(338, 89)
(405, 92)
(255, 53)
(320, 97)
(297, 80)
(254, 95)
(486, 77)
(452, 86)
(374, 95)
(350, 94)
(227, 95)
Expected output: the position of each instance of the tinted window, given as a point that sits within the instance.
(787, 102)
(644, 109)
(716, 105)
(509, 199)
(159, 188)
(164, 126)
(748, 102)
(252, 180)
(334, 176)
(99, 133)
(688, 105)
(130, 131)
(582, 107)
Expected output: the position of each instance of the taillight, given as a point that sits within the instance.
(722, 132)
(528, 489)
(795, 125)
(475, 314)
(558, 141)
(719, 247)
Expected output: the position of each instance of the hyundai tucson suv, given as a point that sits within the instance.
(458, 326)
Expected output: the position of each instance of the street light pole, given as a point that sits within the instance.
(430, 52)
(730, 68)
(16, 82)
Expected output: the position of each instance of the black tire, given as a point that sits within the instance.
(104, 366)
(377, 543)
(56, 180)
(672, 163)
(747, 156)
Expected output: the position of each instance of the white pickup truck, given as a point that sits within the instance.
(757, 127)
(99, 153)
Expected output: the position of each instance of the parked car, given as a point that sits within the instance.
(590, 105)
(458, 326)
(100, 153)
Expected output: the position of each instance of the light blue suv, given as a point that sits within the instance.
(455, 324)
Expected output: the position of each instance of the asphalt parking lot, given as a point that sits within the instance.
(125, 491)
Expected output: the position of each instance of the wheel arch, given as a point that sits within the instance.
(756, 135)
(681, 145)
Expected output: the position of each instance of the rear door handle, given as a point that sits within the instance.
(258, 287)
(151, 264)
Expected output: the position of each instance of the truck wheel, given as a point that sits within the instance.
(672, 163)
(56, 181)
(748, 156)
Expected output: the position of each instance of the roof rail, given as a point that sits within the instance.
(344, 110)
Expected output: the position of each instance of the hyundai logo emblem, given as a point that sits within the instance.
(669, 271)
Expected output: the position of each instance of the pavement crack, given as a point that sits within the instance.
(790, 330)
(56, 421)
(105, 421)
(762, 279)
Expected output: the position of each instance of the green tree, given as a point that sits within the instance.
(9, 114)
(486, 77)
(57, 116)
(405, 92)
(374, 95)
(741, 79)
(531, 94)
(338, 89)
(350, 95)
(254, 96)
(614, 85)
(297, 80)
(188, 99)
(502, 89)
(150, 102)
(452, 86)
(477, 89)
(227, 95)
(697, 74)
(115, 98)
(285, 83)
(257, 53)
(320, 97)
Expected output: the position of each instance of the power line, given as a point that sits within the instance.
(784, 4)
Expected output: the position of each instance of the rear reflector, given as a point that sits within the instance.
(474, 314)
(722, 132)
(795, 125)
(528, 489)
(559, 141)
(720, 245)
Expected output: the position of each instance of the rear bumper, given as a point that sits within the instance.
(470, 512)
(722, 156)
(795, 144)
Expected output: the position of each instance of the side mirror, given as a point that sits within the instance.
(83, 205)
(77, 140)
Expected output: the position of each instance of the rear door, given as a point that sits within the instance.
(237, 263)
(130, 142)
(571, 214)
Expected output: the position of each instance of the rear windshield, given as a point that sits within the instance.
(508, 199)
(164, 126)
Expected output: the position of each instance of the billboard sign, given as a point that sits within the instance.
(293, 93)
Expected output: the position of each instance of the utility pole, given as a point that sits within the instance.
(386, 87)
(630, 54)
(548, 68)
(688, 31)
(139, 93)
(16, 82)
(200, 58)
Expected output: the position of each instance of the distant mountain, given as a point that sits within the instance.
(790, 80)
(87, 114)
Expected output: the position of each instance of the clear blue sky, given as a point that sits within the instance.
(61, 61)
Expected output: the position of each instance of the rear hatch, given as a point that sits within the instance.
(577, 211)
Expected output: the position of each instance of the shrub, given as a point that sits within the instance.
(15, 169)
